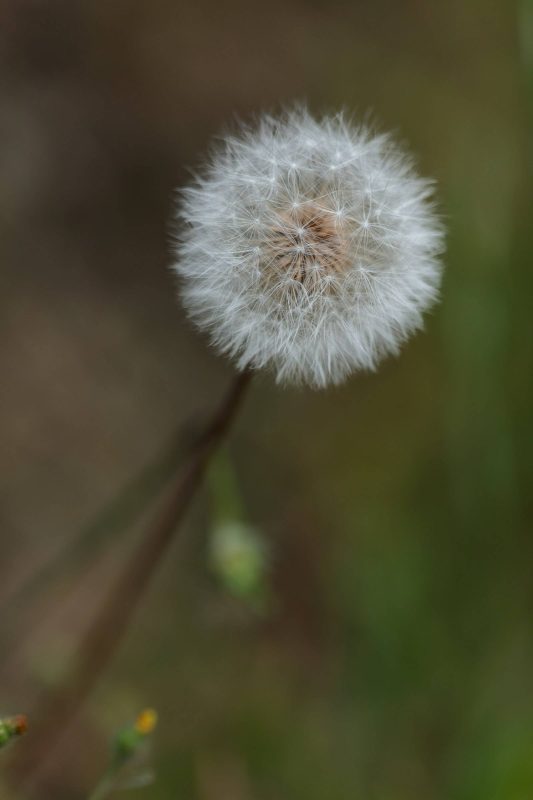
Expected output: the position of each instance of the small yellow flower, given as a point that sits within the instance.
(146, 721)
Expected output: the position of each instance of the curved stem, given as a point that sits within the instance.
(103, 637)
(17, 628)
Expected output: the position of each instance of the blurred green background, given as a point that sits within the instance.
(373, 639)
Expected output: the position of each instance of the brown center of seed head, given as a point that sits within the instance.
(308, 244)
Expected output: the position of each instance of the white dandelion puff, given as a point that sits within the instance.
(310, 247)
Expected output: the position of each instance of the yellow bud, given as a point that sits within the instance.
(146, 721)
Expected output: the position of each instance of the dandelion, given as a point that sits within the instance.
(310, 247)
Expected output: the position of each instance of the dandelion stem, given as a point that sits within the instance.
(103, 637)
(17, 629)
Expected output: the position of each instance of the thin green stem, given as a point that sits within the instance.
(104, 786)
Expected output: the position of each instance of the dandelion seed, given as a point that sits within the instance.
(319, 268)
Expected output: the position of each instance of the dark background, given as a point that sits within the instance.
(393, 657)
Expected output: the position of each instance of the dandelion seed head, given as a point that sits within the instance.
(310, 247)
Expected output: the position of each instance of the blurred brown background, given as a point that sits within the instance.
(394, 657)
